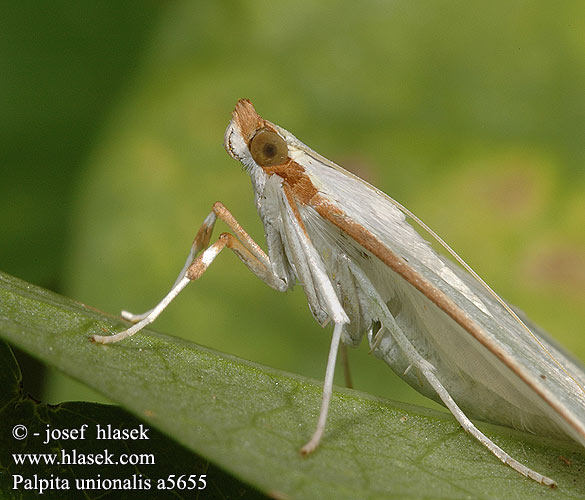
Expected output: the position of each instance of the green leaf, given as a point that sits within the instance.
(251, 420)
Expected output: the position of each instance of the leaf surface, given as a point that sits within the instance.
(251, 420)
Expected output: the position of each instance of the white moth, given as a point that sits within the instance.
(365, 269)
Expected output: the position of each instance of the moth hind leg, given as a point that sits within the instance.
(346, 368)
(469, 427)
(427, 371)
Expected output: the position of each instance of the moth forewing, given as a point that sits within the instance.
(364, 268)
(519, 358)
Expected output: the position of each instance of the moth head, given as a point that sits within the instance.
(253, 141)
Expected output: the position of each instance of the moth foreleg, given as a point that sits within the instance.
(244, 247)
(201, 242)
(261, 268)
(149, 318)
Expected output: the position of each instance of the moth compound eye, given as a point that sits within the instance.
(268, 148)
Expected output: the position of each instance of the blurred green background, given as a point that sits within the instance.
(472, 114)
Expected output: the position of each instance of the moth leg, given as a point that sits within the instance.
(321, 296)
(346, 368)
(327, 390)
(480, 436)
(201, 242)
(150, 317)
(427, 370)
(245, 252)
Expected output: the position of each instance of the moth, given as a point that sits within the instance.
(365, 269)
